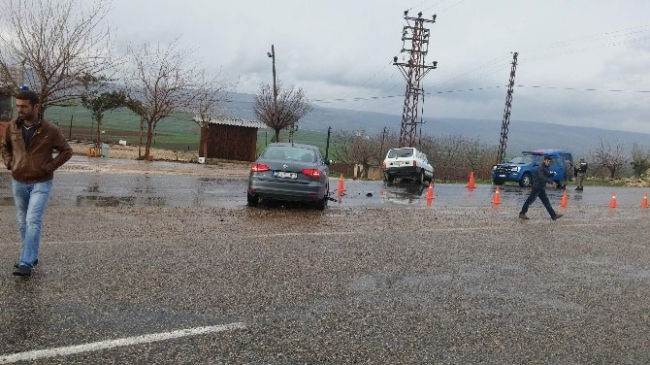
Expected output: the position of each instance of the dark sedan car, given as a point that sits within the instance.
(290, 172)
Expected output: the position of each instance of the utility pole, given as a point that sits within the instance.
(381, 147)
(70, 133)
(413, 71)
(327, 146)
(275, 87)
(503, 141)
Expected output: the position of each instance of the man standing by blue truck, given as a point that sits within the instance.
(541, 177)
(580, 171)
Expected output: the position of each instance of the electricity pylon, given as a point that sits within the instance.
(413, 71)
(503, 141)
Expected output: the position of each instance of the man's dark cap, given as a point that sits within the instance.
(547, 157)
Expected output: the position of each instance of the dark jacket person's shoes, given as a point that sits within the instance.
(35, 263)
(557, 216)
(523, 216)
(23, 270)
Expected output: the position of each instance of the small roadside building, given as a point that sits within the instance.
(230, 139)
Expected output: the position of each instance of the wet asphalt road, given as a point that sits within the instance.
(380, 279)
(152, 190)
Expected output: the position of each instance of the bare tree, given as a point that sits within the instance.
(610, 157)
(54, 43)
(161, 83)
(207, 103)
(357, 148)
(291, 105)
(479, 158)
(455, 156)
(446, 154)
(640, 159)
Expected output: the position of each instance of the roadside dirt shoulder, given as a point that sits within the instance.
(120, 164)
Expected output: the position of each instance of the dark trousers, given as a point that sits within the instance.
(541, 192)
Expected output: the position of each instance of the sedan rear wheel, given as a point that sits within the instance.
(322, 204)
(252, 200)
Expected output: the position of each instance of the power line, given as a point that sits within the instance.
(582, 89)
(421, 2)
(591, 38)
(368, 80)
(483, 88)
(445, 9)
(582, 50)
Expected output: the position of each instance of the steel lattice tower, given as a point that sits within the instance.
(503, 141)
(414, 70)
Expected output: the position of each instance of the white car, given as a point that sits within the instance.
(407, 163)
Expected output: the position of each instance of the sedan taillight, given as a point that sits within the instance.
(383, 166)
(258, 167)
(415, 163)
(313, 173)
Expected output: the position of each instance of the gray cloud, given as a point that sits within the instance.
(341, 49)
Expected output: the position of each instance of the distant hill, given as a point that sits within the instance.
(522, 135)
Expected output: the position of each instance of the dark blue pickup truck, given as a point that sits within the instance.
(522, 168)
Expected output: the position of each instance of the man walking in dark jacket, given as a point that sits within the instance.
(27, 149)
(540, 179)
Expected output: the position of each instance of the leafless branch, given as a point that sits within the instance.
(53, 44)
(291, 105)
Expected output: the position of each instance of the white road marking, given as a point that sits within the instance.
(289, 234)
(109, 344)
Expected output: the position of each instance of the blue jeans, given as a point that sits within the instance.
(541, 192)
(30, 201)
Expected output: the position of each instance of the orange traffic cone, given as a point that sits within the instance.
(644, 202)
(612, 203)
(430, 192)
(471, 184)
(341, 188)
(497, 197)
(563, 202)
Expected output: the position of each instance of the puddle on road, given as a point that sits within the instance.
(110, 190)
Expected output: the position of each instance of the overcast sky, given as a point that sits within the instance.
(343, 49)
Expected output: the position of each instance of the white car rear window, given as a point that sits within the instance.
(400, 152)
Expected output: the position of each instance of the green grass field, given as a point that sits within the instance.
(177, 132)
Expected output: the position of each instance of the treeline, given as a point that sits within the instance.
(455, 156)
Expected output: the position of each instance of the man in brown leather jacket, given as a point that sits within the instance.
(27, 149)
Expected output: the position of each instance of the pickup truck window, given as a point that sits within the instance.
(523, 159)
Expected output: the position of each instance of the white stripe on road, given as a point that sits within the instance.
(109, 344)
(289, 234)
